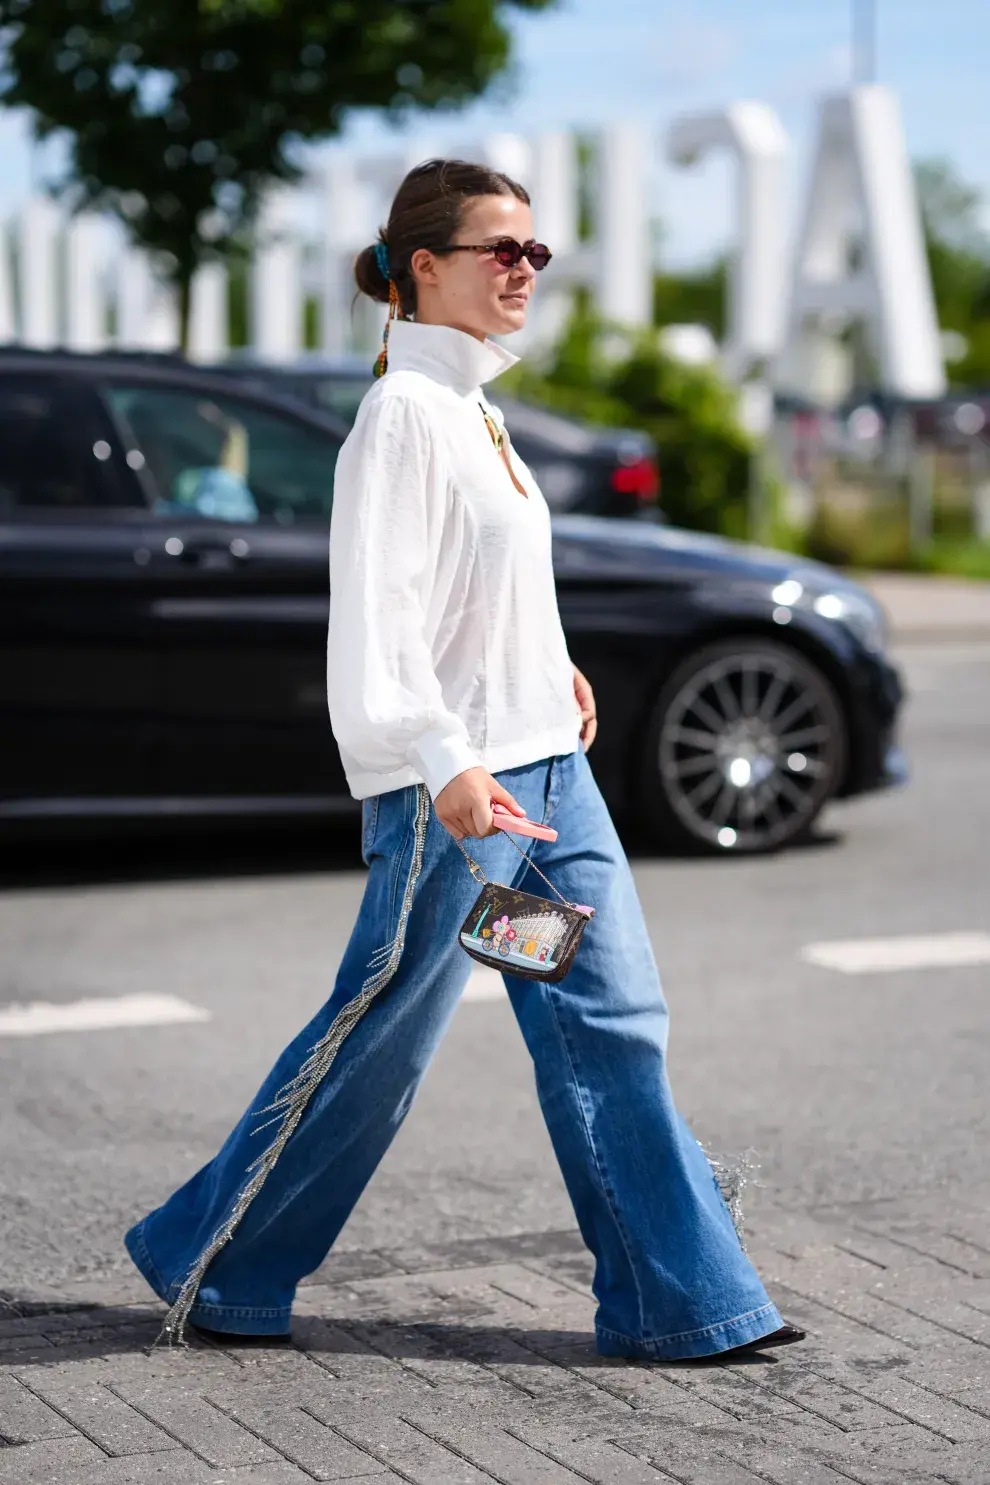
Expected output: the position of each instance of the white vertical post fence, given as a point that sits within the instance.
(85, 291)
(162, 327)
(8, 324)
(209, 321)
(133, 284)
(276, 282)
(343, 218)
(38, 272)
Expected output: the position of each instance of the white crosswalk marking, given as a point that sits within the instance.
(870, 956)
(41, 1018)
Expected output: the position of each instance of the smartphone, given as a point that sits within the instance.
(519, 825)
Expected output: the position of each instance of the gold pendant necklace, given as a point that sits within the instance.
(497, 436)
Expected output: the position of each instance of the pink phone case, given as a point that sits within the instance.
(519, 825)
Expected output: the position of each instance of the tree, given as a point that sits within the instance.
(959, 262)
(688, 410)
(696, 298)
(180, 113)
(950, 209)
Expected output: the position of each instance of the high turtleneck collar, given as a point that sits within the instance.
(449, 356)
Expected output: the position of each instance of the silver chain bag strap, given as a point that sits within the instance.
(519, 933)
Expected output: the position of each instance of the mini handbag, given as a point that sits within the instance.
(519, 934)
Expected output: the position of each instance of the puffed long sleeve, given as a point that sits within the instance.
(386, 704)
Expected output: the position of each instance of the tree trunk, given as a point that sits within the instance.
(184, 287)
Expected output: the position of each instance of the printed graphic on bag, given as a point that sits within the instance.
(527, 940)
(518, 933)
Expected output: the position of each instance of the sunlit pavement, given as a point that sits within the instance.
(830, 1018)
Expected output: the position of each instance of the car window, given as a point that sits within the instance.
(550, 430)
(224, 459)
(55, 450)
(341, 394)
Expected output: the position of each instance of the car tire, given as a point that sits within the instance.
(746, 744)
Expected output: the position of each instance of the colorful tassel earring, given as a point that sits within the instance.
(394, 306)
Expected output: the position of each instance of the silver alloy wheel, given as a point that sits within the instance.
(747, 750)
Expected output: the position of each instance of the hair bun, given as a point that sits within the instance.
(368, 273)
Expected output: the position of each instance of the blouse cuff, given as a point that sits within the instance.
(440, 756)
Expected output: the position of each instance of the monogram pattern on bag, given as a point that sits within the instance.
(520, 934)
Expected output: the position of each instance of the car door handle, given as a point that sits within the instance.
(207, 550)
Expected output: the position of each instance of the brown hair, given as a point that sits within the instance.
(426, 213)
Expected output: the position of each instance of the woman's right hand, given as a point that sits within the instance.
(464, 806)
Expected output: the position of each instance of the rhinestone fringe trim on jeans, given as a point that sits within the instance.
(293, 1099)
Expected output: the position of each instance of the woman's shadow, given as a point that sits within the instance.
(42, 1333)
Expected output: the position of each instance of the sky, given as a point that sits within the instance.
(584, 63)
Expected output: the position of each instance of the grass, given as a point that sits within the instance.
(877, 538)
(966, 557)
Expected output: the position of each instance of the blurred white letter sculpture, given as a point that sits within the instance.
(861, 257)
(624, 278)
(757, 138)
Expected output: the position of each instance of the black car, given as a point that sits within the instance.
(163, 609)
(580, 468)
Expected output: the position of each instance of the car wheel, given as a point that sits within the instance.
(746, 744)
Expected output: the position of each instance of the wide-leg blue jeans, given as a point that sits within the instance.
(671, 1278)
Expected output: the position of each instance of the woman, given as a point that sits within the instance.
(450, 688)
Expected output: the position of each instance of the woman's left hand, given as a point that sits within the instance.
(585, 698)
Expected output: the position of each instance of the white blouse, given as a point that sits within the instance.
(445, 646)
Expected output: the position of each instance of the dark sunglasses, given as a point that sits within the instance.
(507, 251)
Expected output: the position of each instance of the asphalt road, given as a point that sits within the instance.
(846, 1087)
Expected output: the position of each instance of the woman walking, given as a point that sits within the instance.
(450, 689)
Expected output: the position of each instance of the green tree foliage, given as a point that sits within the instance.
(180, 112)
(689, 412)
(692, 298)
(704, 453)
(959, 263)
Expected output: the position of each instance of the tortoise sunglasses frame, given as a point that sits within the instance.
(506, 251)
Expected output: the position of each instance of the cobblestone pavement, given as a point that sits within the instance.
(474, 1362)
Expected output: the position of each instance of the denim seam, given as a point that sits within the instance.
(370, 832)
(684, 1335)
(411, 793)
(381, 953)
(554, 791)
(606, 1185)
(241, 1312)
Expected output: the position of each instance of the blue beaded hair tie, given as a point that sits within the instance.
(394, 305)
